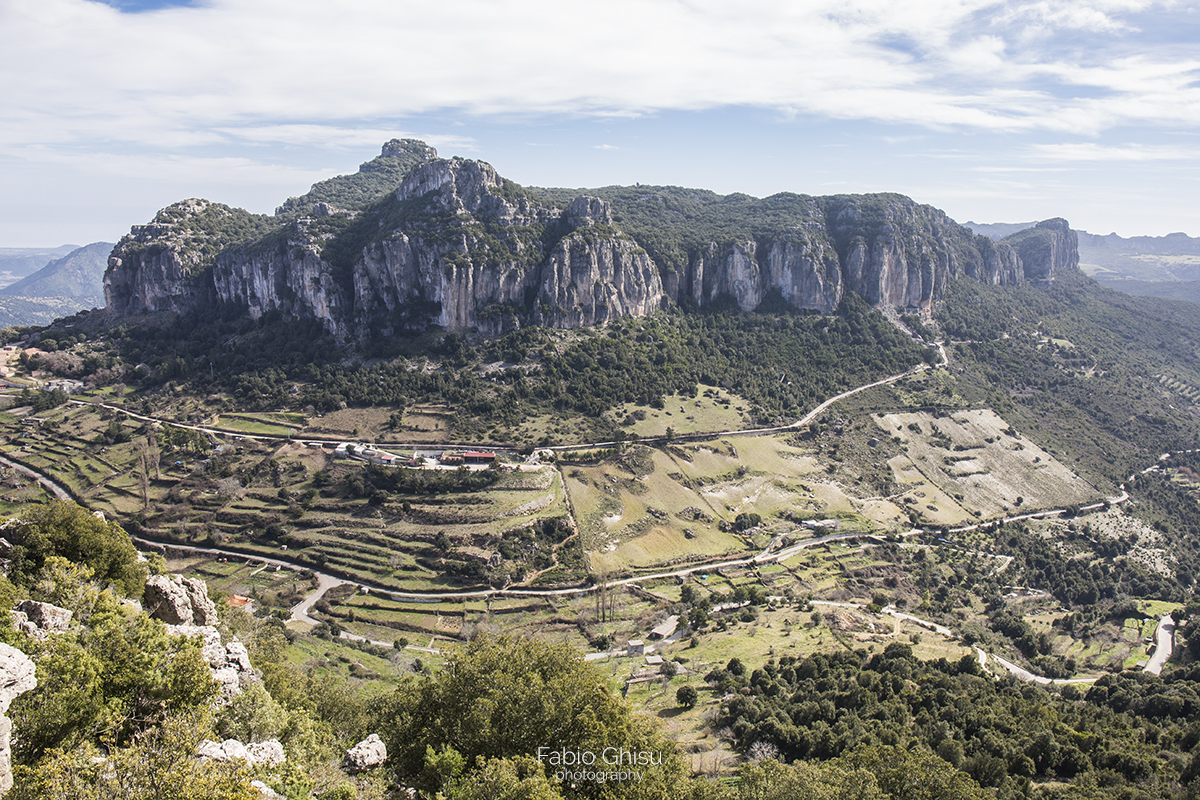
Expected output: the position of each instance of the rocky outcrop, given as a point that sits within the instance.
(1046, 249)
(40, 619)
(16, 677)
(229, 664)
(591, 279)
(269, 753)
(367, 754)
(179, 601)
(166, 265)
(457, 246)
(265, 792)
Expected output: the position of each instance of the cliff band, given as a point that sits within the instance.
(413, 240)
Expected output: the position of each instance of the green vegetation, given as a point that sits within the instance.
(1127, 732)
(67, 531)
(374, 179)
(204, 229)
(781, 363)
(1077, 368)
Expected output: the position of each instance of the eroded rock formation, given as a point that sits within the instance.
(457, 246)
(367, 754)
(179, 601)
(229, 663)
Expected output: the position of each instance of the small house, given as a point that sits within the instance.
(666, 628)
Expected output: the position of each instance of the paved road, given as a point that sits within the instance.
(54, 488)
(301, 609)
(1164, 637)
(933, 626)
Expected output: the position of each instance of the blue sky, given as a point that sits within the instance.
(993, 111)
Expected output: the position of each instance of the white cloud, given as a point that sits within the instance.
(1091, 151)
(308, 71)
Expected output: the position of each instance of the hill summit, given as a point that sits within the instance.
(413, 240)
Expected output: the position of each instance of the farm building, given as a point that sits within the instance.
(666, 628)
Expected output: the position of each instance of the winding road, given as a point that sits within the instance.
(326, 581)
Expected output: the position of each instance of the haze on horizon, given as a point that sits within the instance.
(992, 111)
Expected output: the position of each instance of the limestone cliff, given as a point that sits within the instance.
(415, 240)
(1046, 249)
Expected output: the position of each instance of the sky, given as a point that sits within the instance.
(992, 111)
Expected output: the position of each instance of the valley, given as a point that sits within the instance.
(788, 486)
(818, 514)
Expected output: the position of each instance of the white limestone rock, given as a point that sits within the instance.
(269, 753)
(48, 617)
(265, 792)
(167, 600)
(179, 601)
(204, 611)
(367, 754)
(17, 676)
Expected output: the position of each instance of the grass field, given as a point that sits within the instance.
(711, 409)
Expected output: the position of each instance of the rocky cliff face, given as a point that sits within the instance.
(1045, 249)
(16, 677)
(456, 245)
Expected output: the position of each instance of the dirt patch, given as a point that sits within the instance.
(983, 464)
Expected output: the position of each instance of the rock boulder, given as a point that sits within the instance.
(367, 754)
(16, 677)
(269, 753)
(45, 616)
(179, 601)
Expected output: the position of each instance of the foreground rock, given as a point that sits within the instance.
(37, 620)
(16, 677)
(367, 754)
(229, 664)
(269, 753)
(179, 601)
(265, 792)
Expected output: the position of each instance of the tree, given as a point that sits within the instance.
(63, 528)
(506, 697)
(517, 778)
(687, 696)
(915, 774)
(768, 779)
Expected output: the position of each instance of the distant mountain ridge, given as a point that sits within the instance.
(412, 240)
(17, 262)
(1147, 266)
(1171, 244)
(79, 273)
(68, 284)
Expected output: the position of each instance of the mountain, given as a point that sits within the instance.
(412, 240)
(64, 286)
(17, 262)
(1147, 266)
(998, 230)
(79, 274)
(1171, 244)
